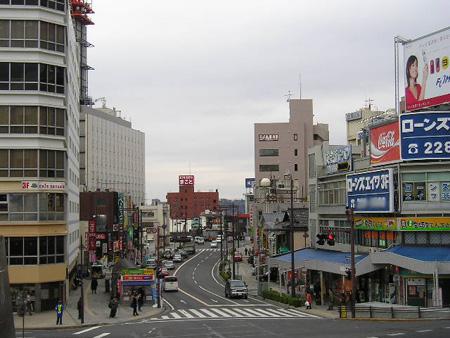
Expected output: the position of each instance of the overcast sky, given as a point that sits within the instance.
(196, 75)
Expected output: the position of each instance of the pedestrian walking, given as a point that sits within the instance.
(141, 298)
(246, 251)
(331, 299)
(80, 307)
(94, 284)
(59, 308)
(309, 299)
(113, 305)
(134, 304)
(28, 304)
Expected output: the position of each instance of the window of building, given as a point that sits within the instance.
(26, 163)
(295, 152)
(269, 167)
(332, 193)
(268, 152)
(52, 36)
(26, 76)
(295, 137)
(427, 186)
(34, 250)
(295, 167)
(58, 5)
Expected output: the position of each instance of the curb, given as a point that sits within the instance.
(71, 327)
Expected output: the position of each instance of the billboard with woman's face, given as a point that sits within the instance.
(427, 71)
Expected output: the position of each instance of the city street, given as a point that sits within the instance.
(199, 309)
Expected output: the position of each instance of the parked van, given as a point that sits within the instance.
(170, 283)
(199, 240)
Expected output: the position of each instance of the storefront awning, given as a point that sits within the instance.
(325, 260)
(426, 259)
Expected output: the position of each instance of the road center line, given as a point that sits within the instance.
(422, 331)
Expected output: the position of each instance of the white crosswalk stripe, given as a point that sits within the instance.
(233, 312)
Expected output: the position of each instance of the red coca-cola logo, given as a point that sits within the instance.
(386, 140)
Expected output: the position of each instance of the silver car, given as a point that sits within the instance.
(169, 265)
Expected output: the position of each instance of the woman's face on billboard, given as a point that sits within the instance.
(413, 72)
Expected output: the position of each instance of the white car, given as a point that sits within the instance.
(169, 265)
(170, 283)
(199, 240)
(177, 258)
(213, 244)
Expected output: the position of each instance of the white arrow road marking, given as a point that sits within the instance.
(183, 301)
(215, 301)
(103, 335)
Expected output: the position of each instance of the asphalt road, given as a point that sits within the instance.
(200, 309)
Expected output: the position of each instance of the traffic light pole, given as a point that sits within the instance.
(349, 212)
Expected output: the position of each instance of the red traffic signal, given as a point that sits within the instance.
(330, 239)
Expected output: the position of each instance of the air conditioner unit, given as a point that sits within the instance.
(280, 186)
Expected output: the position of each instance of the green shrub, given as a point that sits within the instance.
(225, 275)
(283, 298)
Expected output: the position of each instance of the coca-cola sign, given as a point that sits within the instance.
(385, 144)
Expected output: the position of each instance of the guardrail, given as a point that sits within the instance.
(395, 312)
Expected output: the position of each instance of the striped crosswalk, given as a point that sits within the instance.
(233, 312)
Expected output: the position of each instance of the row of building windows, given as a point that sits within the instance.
(273, 152)
(31, 76)
(431, 187)
(34, 250)
(32, 34)
(32, 207)
(32, 163)
(32, 120)
(273, 167)
(332, 193)
(58, 5)
(74, 236)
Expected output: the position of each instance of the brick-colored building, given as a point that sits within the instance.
(188, 204)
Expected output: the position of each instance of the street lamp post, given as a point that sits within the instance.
(350, 213)
(233, 249)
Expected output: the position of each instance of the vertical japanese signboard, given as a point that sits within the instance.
(385, 144)
(425, 136)
(120, 207)
(427, 71)
(371, 191)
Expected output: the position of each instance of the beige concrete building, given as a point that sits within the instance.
(358, 122)
(282, 147)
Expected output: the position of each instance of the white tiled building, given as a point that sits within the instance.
(112, 153)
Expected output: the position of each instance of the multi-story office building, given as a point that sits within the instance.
(39, 146)
(282, 147)
(112, 153)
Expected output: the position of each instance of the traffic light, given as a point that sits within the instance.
(330, 240)
(321, 239)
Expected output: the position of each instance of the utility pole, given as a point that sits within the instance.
(141, 245)
(350, 213)
(222, 219)
(81, 281)
(232, 233)
(291, 221)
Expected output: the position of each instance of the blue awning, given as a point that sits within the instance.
(423, 253)
(325, 255)
(325, 260)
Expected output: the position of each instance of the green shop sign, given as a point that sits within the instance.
(424, 223)
(376, 223)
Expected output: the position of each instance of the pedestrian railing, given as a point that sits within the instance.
(394, 312)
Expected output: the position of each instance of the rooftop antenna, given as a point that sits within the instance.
(300, 85)
(288, 96)
(369, 103)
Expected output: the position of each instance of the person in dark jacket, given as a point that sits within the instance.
(134, 303)
(141, 298)
(113, 305)
(94, 285)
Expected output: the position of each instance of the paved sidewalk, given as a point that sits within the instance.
(96, 310)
